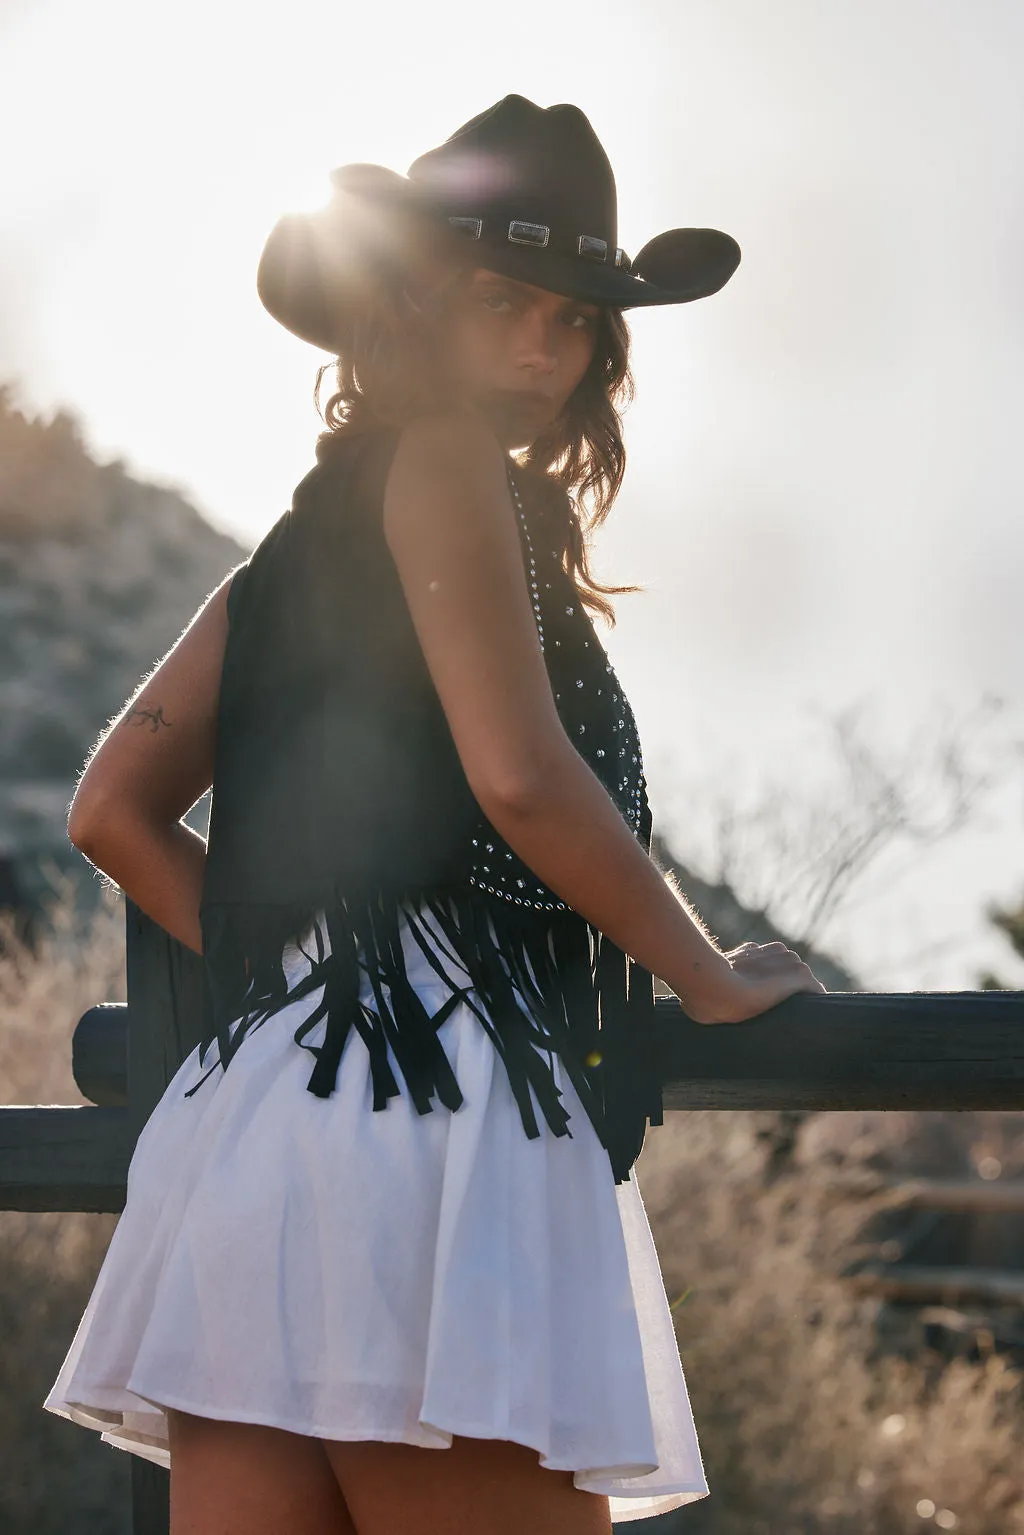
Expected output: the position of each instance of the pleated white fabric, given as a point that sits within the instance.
(310, 1264)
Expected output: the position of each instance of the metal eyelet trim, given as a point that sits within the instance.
(474, 227)
(535, 603)
(629, 790)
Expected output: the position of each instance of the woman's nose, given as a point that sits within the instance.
(536, 343)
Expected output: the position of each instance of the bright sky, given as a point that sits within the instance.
(823, 497)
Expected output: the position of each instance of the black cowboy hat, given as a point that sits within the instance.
(530, 186)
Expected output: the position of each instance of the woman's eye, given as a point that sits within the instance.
(581, 321)
(497, 301)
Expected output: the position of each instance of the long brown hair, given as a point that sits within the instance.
(385, 373)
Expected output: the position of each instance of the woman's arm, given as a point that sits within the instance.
(450, 526)
(148, 768)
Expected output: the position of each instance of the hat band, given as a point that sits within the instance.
(522, 232)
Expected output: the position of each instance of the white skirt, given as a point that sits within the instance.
(313, 1265)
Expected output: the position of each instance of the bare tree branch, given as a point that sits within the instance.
(798, 854)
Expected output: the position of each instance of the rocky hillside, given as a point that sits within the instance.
(99, 573)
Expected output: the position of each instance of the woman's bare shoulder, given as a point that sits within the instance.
(451, 527)
(448, 437)
(448, 468)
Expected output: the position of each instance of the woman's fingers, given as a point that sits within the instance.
(769, 960)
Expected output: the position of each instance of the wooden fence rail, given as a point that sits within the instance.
(929, 1282)
(952, 1196)
(841, 1050)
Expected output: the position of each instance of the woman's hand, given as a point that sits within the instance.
(764, 974)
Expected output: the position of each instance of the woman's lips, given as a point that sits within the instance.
(520, 403)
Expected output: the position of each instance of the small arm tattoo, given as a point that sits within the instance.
(137, 717)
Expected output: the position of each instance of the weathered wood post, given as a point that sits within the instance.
(165, 996)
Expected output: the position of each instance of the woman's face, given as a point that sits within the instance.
(516, 352)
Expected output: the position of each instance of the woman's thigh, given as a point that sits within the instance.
(477, 1487)
(245, 1479)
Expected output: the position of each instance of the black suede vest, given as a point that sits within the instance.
(338, 789)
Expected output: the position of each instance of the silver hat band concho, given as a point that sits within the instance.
(521, 232)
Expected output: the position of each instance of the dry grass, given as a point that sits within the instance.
(77, 962)
(55, 1478)
(807, 1429)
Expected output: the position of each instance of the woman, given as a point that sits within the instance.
(430, 828)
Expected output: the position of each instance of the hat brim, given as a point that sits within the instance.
(313, 264)
(685, 280)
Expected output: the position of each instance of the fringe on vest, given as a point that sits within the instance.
(540, 986)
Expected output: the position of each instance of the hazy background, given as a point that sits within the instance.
(823, 495)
